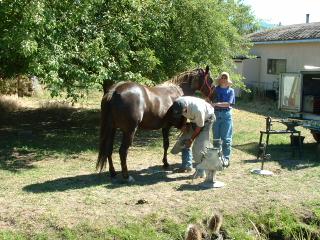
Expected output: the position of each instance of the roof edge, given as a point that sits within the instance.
(313, 40)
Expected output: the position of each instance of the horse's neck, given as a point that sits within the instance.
(186, 89)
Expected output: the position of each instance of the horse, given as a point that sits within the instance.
(128, 106)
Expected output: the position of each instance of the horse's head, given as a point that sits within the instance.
(196, 80)
(203, 82)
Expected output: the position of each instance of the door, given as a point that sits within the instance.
(290, 92)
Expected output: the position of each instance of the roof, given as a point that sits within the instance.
(306, 31)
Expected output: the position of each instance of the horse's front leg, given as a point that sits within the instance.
(165, 135)
(123, 151)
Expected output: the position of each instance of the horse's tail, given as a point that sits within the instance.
(105, 133)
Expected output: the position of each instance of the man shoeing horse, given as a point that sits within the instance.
(201, 115)
(127, 106)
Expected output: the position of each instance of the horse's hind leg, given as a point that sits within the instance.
(127, 139)
(112, 171)
(165, 135)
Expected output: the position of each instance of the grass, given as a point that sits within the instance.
(50, 190)
(274, 224)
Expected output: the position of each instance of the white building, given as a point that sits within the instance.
(291, 48)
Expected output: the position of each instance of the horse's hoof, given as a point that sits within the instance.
(113, 179)
(113, 174)
(130, 179)
(166, 166)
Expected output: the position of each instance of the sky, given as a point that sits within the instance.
(286, 12)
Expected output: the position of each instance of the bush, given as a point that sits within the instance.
(8, 86)
(7, 105)
(21, 85)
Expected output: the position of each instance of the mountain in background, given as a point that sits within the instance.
(266, 25)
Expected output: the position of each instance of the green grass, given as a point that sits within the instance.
(275, 224)
(50, 190)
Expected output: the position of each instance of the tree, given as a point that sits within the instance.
(76, 45)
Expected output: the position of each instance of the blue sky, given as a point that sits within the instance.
(285, 11)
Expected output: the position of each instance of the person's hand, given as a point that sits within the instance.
(188, 143)
(185, 128)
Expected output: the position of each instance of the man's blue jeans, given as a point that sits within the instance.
(201, 142)
(186, 158)
(222, 129)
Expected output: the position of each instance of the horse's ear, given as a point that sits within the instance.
(207, 69)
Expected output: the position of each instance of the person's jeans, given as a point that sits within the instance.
(222, 129)
(186, 158)
(201, 142)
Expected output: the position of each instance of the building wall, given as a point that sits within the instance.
(238, 69)
(251, 71)
(297, 55)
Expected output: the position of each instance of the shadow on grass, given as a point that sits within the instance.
(31, 135)
(287, 156)
(193, 187)
(149, 176)
(68, 183)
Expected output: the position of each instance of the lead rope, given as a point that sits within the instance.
(206, 83)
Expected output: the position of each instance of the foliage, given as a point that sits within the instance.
(275, 223)
(75, 45)
(20, 84)
(269, 224)
(8, 86)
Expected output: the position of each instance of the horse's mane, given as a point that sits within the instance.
(178, 80)
(168, 84)
(181, 78)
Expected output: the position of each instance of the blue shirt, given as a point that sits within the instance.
(225, 95)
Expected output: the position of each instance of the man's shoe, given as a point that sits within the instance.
(225, 162)
(184, 170)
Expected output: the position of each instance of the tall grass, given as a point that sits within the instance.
(273, 224)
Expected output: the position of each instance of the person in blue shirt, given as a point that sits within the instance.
(222, 103)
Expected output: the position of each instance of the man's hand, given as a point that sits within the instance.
(185, 128)
(188, 143)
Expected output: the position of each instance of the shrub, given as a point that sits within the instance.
(21, 85)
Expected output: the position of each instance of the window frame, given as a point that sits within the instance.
(272, 65)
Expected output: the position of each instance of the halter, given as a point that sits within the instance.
(205, 83)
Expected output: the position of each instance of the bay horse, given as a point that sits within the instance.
(128, 106)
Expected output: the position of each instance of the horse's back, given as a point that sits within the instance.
(132, 104)
(124, 102)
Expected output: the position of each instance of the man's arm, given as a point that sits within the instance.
(221, 104)
(184, 126)
(229, 102)
(194, 135)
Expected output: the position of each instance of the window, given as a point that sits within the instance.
(276, 66)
